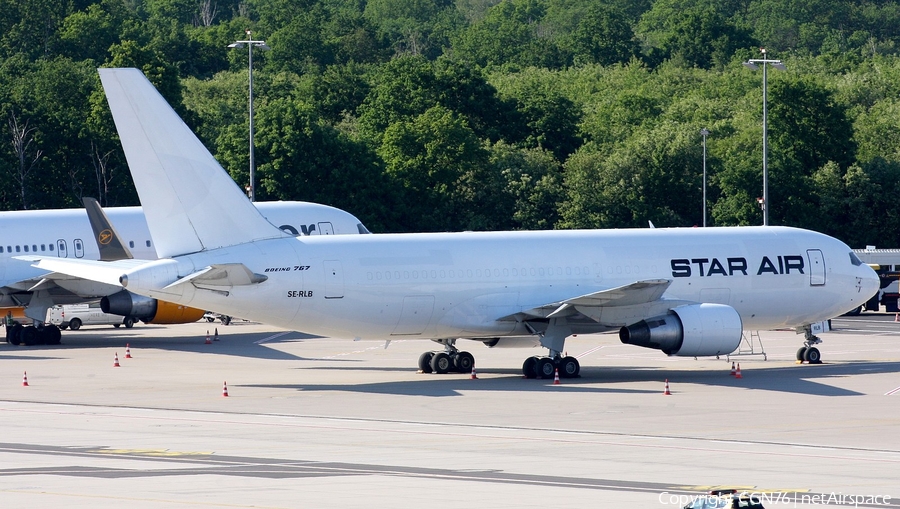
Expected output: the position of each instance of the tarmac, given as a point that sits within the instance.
(320, 422)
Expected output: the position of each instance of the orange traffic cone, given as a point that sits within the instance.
(216, 336)
(667, 392)
(224, 389)
(474, 376)
(897, 317)
(737, 373)
(208, 342)
(127, 351)
(555, 376)
(732, 369)
(116, 361)
(25, 379)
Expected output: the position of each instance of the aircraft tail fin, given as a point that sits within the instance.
(187, 210)
(108, 240)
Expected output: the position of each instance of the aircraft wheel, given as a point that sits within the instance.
(569, 367)
(801, 354)
(29, 336)
(441, 363)
(14, 334)
(52, 335)
(528, 368)
(75, 324)
(464, 362)
(545, 367)
(226, 319)
(425, 362)
(128, 322)
(813, 356)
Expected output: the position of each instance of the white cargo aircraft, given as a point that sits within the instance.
(687, 292)
(67, 234)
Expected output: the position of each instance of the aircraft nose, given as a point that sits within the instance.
(870, 283)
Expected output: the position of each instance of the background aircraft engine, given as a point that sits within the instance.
(148, 310)
(688, 331)
(126, 303)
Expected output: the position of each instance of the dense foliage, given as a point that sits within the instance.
(432, 115)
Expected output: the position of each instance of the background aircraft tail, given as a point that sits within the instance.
(187, 211)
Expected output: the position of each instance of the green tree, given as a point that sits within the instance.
(440, 168)
(698, 32)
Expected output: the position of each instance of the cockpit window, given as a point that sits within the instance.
(855, 259)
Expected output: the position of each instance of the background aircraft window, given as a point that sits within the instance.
(26, 248)
(51, 247)
(43, 247)
(34, 247)
(1, 249)
(9, 249)
(148, 243)
(17, 249)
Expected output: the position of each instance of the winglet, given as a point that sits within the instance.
(108, 240)
(190, 202)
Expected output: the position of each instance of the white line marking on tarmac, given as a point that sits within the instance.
(273, 336)
(889, 393)
(592, 350)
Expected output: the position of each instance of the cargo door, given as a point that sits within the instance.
(415, 315)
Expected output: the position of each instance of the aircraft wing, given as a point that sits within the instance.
(639, 292)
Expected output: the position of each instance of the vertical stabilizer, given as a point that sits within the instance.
(109, 242)
(190, 202)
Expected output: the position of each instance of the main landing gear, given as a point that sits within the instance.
(545, 367)
(451, 359)
(17, 334)
(808, 352)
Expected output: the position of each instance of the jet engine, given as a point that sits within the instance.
(688, 331)
(147, 309)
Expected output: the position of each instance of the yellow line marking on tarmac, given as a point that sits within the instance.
(149, 452)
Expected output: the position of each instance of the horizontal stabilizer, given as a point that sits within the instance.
(101, 272)
(225, 274)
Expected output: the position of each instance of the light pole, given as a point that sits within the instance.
(250, 43)
(704, 132)
(751, 64)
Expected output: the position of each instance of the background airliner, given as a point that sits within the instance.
(687, 292)
(67, 233)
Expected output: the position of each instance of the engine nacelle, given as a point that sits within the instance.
(147, 309)
(126, 303)
(688, 331)
(513, 342)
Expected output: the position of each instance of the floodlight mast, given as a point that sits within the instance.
(751, 64)
(250, 43)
